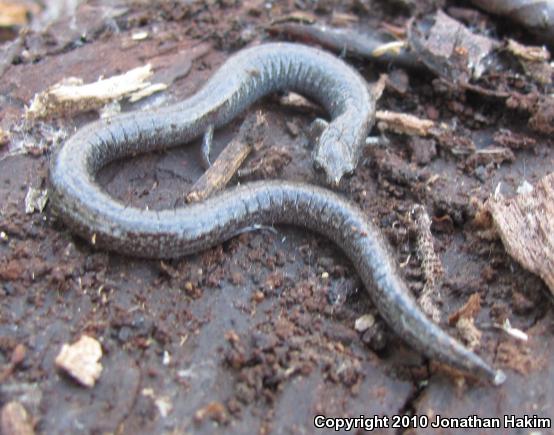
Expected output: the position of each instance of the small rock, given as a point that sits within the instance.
(80, 360)
(15, 420)
(364, 322)
(35, 200)
(18, 354)
(258, 296)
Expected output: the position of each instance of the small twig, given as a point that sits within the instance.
(229, 160)
(403, 123)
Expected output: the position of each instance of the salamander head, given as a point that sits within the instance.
(333, 156)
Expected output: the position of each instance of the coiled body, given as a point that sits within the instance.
(93, 214)
(244, 78)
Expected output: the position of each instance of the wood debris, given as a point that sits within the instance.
(469, 332)
(464, 319)
(14, 420)
(296, 101)
(534, 60)
(343, 19)
(430, 263)
(514, 332)
(296, 17)
(81, 360)
(72, 96)
(450, 49)
(227, 163)
(403, 123)
(469, 310)
(525, 224)
(530, 53)
(4, 138)
(13, 13)
(35, 200)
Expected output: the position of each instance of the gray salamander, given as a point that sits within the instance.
(93, 214)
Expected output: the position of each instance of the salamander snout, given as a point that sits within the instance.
(333, 157)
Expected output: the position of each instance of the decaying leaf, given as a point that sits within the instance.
(525, 224)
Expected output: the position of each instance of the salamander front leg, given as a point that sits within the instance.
(207, 146)
(316, 128)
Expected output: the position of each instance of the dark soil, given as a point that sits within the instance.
(257, 335)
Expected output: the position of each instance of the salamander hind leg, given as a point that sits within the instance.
(207, 141)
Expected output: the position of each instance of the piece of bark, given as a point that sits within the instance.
(73, 96)
(525, 224)
(450, 49)
(229, 160)
(535, 15)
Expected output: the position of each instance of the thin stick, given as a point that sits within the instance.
(229, 160)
